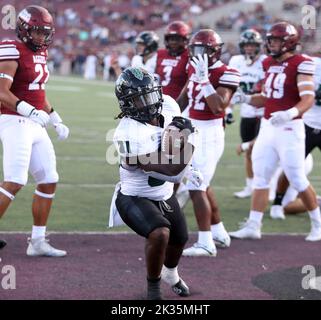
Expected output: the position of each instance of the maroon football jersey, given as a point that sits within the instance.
(31, 75)
(172, 72)
(220, 75)
(280, 82)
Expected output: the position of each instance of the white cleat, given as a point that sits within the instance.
(41, 247)
(315, 233)
(199, 250)
(277, 212)
(222, 240)
(245, 193)
(249, 230)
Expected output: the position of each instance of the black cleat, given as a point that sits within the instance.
(153, 289)
(2, 244)
(181, 288)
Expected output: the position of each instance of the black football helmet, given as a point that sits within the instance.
(250, 36)
(139, 95)
(150, 40)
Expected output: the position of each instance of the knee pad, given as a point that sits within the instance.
(297, 179)
(48, 177)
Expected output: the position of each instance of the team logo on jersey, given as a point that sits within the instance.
(137, 73)
(25, 15)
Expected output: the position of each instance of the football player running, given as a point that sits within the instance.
(288, 92)
(145, 200)
(206, 94)
(25, 113)
(312, 124)
(249, 64)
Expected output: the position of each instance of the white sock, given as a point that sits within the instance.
(249, 182)
(217, 228)
(256, 216)
(315, 215)
(38, 232)
(170, 275)
(205, 238)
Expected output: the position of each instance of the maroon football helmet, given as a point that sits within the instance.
(38, 19)
(176, 31)
(287, 33)
(206, 41)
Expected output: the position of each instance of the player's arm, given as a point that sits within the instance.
(306, 91)
(7, 72)
(182, 99)
(217, 100)
(56, 121)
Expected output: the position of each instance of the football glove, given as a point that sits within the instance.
(281, 117)
(183, 123)
(61, 129)
(240, 97)
(194, 175)
(200, 65)
(39, 116)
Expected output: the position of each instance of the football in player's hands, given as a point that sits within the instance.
(172, 141)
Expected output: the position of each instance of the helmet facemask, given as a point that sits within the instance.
(212, 53)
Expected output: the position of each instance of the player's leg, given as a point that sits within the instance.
(249, 128)
(16, 141)
(177, 240)
(265, 159)
(43, 169)
(146, 219)
(220, 235)
(292, 158)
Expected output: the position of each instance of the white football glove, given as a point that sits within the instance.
(200, 65)
(194, 175)
(281, 117)
(61, 129)
(39, 116)
(240, 97)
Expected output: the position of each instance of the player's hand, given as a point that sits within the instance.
(281, 117)
(39, 116)
(229, 118)
(183, 123)
(27, 110)
(61, 129)
(240, 97)
(194, 175)
(200, 65)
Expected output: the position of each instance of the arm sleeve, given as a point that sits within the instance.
(9, 51)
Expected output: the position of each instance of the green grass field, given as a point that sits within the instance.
(87, 180)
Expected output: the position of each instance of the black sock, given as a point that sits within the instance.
(278, 199)
(153, 289)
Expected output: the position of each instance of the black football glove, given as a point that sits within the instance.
(229, 118)
(182, 123)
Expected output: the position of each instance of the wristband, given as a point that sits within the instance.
(245, 146)
(55, 118)
(24, 108)
(208, 89)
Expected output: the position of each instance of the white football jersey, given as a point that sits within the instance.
(250, 76)
(312, 117)
(133, 138)
(149, 65)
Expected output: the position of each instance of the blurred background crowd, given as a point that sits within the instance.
(94, 31)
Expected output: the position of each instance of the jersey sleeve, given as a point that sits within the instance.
(230, 78)
(306, 67)
(9, 51)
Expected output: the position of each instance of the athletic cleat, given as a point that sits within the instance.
(222, 240)
(198, 250)
(249, 230)
(315, 233)
(2, 244)
(277, 212)
(245, 193)
(181, 288)
(41, 247)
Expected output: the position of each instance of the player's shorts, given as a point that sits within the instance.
(249, 128)
(144, 215)
(26, 146)
(208, 151)
(312, 139)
